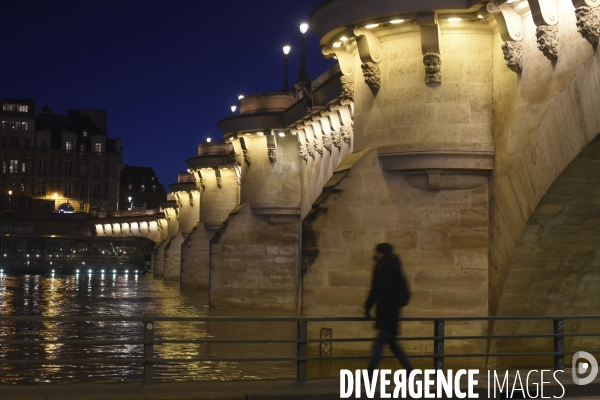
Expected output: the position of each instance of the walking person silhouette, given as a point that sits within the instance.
(389, 292)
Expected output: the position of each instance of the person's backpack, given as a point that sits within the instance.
(404, 295)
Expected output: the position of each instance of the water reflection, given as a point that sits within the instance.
(128, 295)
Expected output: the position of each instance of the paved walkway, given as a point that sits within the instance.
(244, 390)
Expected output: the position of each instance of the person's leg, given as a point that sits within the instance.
(399, 353)
(382, 338)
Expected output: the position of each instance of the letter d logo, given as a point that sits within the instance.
(583, 367)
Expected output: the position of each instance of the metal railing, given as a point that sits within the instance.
(438, 340)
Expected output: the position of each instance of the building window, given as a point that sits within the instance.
(4, 167)
(82, 190)
(81, 148)
(3, 142)
(154, 188)
(97, 170)
(42, 188)
(142, 188)
(43, 144)
(68, 145)
(81, 206)
(97, 193)
(15, 107)
(42, 167)
(14, 142)
(152, 178)
(14, 166)
(84, 133)
(98, 147)
(23, 169)
(130, 186)
(17, 125)
(68, 168)
(22, 187)
(26, 143)
(67, 189)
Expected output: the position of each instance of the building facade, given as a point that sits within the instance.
(68, 158)
(140, 189)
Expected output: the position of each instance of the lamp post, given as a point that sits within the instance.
(303, 73)
(286, 62)
(233, 108)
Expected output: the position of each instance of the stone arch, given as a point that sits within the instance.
(555, 270)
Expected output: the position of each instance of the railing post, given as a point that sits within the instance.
(302, 351)
(559, 345)
(148, 352)
(438, 345)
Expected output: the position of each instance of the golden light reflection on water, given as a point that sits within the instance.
(121, 295)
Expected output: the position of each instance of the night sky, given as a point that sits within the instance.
(166, 70)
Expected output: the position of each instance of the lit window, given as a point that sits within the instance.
(98, 147)
(82, 206)
(84, 133)
(152, 178)
(130, 187)
(4, 167)
(15, 107)
(22, 187)
(14, 166)
(23, 170)
(154, 188)
(142, 188)
(68, 145)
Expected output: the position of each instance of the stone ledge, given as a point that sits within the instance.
(278, 213)
(183, 187)
(440, 166)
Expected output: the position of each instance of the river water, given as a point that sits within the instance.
(129, 296)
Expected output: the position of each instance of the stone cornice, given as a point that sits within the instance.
(440, 166)
(183, 187)
(334, 14)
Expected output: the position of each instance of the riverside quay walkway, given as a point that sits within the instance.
(140, 351)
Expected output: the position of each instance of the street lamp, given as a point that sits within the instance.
(241, 96)
(129, 198)
(286, 62)
(9, 197)
(303, 73)
(233, 108)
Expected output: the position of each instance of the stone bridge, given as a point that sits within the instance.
(462, 132)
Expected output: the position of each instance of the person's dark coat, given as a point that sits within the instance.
(389, 292)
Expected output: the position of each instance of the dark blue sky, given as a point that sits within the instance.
(166, 70)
